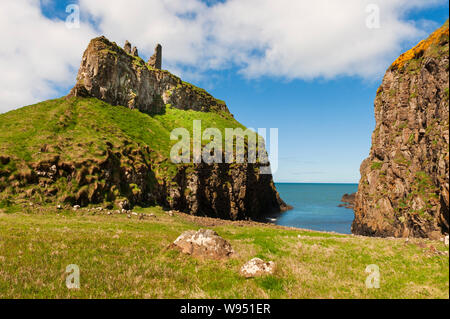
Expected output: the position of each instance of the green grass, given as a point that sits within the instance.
(376, 165)
(91, 122)
(127, 258)
(81, 131)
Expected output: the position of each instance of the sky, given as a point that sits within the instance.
(308, 68)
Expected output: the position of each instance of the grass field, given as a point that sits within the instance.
(121, 257)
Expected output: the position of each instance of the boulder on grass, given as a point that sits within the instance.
(204, 243)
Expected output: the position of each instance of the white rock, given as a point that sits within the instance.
(257, 267)
(76, 207)
(446, 240)
(203, 243)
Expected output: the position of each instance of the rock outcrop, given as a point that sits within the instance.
(204, 243)
(120, 77)
(348, 201)
(404, 186)
(233, 191)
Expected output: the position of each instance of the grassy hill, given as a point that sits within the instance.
(122, 257)
(79, 132)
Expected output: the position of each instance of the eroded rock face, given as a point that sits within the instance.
(257, 267)
(204, 243)
(120, 77)
(225, 191)
(404, 186)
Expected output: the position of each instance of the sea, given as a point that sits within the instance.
(315, 206)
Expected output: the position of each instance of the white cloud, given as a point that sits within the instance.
(285, 38)
(280, 38)
(37, 54)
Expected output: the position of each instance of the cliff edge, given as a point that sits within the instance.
(404, 186)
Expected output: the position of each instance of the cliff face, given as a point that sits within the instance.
(404, 186)
(108, 142)
(109, 73)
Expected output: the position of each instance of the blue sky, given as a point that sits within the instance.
(325, 119)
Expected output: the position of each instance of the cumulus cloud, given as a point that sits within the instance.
(275, 38)
(283, 38)
(38, 55)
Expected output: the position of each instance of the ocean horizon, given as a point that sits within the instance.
(315, 206)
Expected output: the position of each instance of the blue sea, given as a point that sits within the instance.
(316, 206)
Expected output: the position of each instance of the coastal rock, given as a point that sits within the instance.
(204, 243)
(348, 200)
(119, 77)
(257, 267)
(229, 191)
(404, 186)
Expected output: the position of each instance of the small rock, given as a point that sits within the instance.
(129, 216)
(257, 267)
(76, 207)
(134, 213)
(124, 211)
(446, 240)
(203, 243)
(109, 213)
(99, 208)
(59, 207)
(151, 215)
(124, 205)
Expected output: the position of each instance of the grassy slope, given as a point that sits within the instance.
(68, 123)
(77, 129)
(126, 258)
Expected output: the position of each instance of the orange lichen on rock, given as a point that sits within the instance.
(418, 50)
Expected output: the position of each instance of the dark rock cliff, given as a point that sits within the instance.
(404, 186)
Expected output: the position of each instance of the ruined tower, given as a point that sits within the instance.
(127, 47)
(155, 60)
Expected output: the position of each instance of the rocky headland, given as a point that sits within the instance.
(404, 186)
